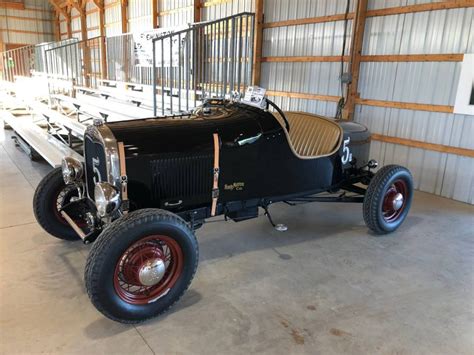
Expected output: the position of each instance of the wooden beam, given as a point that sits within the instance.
(22, 18)
(424, 145)
(214, 2)
(124, 15)
(197, 11)
(61, 10)
(154, 13)
(12, 5)
(405, 105)
(453, 57)
(356, 51)
(310, 59)
(310, 20)
(257, 43)
(456, 57)
(75, 4)
(9, 30)
(443, 5)
(300, 95)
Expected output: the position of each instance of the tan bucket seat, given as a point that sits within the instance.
(311, 136)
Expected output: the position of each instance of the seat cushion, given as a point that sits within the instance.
(312, 136)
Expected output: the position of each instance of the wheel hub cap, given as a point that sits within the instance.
(151, 272)
(397, 202)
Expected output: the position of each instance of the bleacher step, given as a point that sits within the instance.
(50, 148)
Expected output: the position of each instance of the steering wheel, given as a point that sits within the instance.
(272, 104)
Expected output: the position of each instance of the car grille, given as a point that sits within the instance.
(96, 167)
(182, 177)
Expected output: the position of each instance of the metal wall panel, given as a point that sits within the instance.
(139, 15)
(113, 18)
(281, 10)
(226, 8)
(442, 31)
(40, 25)
(175, 12)
(321, 39)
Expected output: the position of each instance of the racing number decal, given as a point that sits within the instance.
(346, 153)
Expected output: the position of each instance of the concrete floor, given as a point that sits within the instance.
(325, 286)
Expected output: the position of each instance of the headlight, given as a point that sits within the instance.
(72, 170)
(107, 198)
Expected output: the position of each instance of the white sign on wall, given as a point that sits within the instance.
(465, 95)
(143, 49)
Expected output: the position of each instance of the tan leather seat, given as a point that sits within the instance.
(312, 136)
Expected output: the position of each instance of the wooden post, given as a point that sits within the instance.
(57, 26)
(103, 49)
(126, 44)
(197, 11)
(68, 24)
(85, 45)
(257, 44)
(124, 15)
(154, 13)
(356, 52)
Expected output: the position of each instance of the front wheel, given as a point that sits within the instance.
(140, 265)
(388, 199)
(50, 196)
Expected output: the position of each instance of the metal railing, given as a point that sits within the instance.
(209, 59)
(28, 60)
(17, 62)
(78, 63)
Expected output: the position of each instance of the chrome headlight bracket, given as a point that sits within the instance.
(72, 170)
(107, 199)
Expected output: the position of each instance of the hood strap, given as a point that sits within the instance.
(215, 185)
(123, 178)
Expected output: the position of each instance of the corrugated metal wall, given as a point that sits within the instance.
(175, 12)
(215, 10)
(113, 24)
(434, 32)
(30, 26)
(139, 16)
(304, 40)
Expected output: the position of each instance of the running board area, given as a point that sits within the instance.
(50, 148)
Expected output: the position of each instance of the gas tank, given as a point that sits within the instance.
(355, 148)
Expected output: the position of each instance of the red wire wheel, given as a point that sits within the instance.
(394, 201)
(148, 269)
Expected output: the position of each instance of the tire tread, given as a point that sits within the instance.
(96, 255)
(375, 192)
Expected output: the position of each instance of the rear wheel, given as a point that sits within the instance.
(388, 199)
(140, 265)
(50, 196)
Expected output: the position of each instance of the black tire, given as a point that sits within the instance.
(45, 206)
(107, 257)
(379, 214)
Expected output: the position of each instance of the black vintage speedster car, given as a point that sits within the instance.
(146, 185)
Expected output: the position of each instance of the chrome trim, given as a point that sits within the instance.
(103, 135)
(72, 170)
(109, 195)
